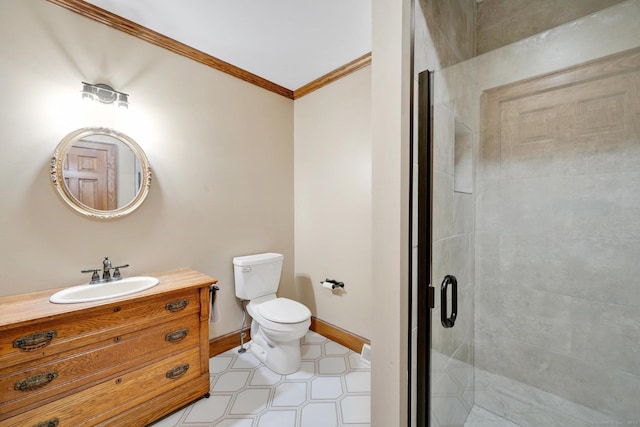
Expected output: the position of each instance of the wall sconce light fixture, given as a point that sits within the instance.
(105, 94)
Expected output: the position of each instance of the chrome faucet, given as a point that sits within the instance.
(106, 269)
(106, 272)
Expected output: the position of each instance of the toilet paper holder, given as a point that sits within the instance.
(334, 284)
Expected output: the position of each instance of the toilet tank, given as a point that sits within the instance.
(257, 275)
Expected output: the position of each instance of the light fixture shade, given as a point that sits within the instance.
(105, 94)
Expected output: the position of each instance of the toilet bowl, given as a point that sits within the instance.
(276, 329)
(278, 323)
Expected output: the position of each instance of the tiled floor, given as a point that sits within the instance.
(451, 390)
(503, 402)
(331, 389)
(480, 417)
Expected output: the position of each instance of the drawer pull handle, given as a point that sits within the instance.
(177, 305)
(35, 341)
(53, 422)
(178, 371)
(177, 336)
(36, 381)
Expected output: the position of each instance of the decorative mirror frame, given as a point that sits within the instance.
(58, 180)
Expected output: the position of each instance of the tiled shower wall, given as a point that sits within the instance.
(445, 31)
(502, 22)
(557, 234)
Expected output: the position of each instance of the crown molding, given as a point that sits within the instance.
(119, 23)
(95, 13)
(334, 75)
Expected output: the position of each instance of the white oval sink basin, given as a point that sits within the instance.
(100, 291)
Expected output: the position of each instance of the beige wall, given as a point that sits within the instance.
(223, 169)
(390, 215)
(221, 152)
(333, 201)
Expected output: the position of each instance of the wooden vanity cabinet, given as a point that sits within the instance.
(126, 361)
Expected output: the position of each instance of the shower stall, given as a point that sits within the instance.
(527, 172)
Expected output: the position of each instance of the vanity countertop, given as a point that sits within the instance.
(35, 306)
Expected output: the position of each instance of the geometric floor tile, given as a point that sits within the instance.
(326, 388)
(332, 388)
(319, 415)
(358, 382)
(355, 409)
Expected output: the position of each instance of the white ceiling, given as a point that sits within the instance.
(289, 42)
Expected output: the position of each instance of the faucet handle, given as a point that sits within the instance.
(95, 277)
(116, 271)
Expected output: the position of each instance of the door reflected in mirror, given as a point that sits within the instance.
(100, 172)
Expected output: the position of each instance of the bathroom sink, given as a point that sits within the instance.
(97, 292)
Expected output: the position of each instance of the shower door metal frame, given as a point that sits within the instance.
(425, 292)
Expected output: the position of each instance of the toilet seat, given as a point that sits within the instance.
(283, 310)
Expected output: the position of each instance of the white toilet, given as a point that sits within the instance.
(278, 323)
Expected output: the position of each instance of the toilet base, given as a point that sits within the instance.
(282, 359)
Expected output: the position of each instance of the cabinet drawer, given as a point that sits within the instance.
(46, 379)
(74, 330)
(104, 400)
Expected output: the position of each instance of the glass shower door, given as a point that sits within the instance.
(445, 260)
(530, 192)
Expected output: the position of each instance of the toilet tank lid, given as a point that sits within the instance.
(257, 259)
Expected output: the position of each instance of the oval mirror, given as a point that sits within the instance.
(101, 173)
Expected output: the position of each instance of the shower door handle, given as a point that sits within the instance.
(448, 322)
